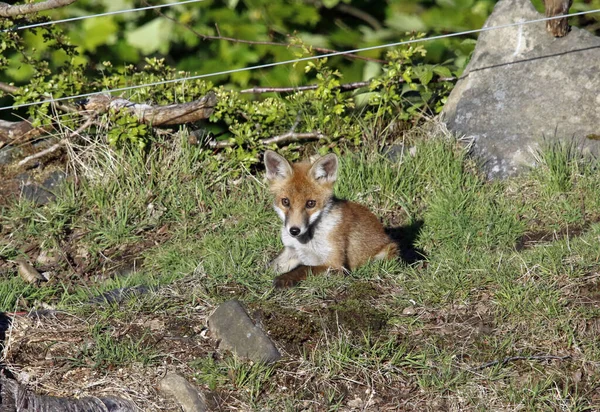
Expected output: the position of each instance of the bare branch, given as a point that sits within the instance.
(557, 27)
(156, 115)
(8, 88)
(13, 89)
(506, 360)
(344, 87)
(293, 137)
(220, 144)
(261, 43)
(16, 132)
(58, 145)
(360, 14)
(7, 10)
(283, 138)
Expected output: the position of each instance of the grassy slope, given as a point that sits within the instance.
(511, 270)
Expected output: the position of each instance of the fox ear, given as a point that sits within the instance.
(325, 169)
(277, 166)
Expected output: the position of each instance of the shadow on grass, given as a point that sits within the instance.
(405, 237)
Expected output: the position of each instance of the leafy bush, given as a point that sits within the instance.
(407, 89)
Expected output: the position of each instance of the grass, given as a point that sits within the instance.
(511, 269)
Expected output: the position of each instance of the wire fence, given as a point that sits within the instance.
(292, 61)
(109, 13)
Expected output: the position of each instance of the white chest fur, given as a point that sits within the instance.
(317, 250)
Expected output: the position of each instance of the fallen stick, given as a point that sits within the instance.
(345, 87)
(516, 358)
(282, 138)
(16, 397)
(58, 145)
(155, 115)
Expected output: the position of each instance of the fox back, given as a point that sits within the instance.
(318, 229)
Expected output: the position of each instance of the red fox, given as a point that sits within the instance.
(320, 232)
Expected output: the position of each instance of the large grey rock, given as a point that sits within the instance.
(233, 327)
(188, 397)
(523, 86)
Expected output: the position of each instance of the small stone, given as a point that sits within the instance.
(189, 398)
(233, 327)
(577, 375)
(355, 403)
(155, 324)
(409, 311)
(47, 258)
(28, 272)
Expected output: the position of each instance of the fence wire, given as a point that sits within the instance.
(108, 13)
(302, 59)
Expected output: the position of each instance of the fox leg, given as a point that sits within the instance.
(285, 261)
(389, 251)
(297, 275)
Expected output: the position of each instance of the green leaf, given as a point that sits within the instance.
(98, 32)
(330, 3)
(424, 74)
(371, 70)
(406, 22)
(442, 71)
(151, 37)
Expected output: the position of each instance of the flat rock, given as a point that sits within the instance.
(189, 398)
(237, 333)
(44, 193)
(523, 86)
(8, 154)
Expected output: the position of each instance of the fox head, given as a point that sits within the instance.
(303, 191)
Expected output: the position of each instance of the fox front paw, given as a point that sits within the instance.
(287, 280)
(276, 266)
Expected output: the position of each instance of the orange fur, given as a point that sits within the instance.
(320, 232)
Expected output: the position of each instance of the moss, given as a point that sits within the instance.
(358, 315)
(354, 309)
(288, 327)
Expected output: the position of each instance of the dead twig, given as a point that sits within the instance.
(360, 14)
(8, 88)
(58, 145)
(293, 137)
(7, 10)
(343, 87)
(283, 138)
(508, 359)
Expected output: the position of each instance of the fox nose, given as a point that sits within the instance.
(294, 231)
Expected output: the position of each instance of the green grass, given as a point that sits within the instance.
(511, 269)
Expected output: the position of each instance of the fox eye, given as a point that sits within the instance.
(285, 201)
(310, 204)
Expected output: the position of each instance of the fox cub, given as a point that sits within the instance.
(319, 231)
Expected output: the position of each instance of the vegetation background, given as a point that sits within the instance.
(186, 37)
(208, 36)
